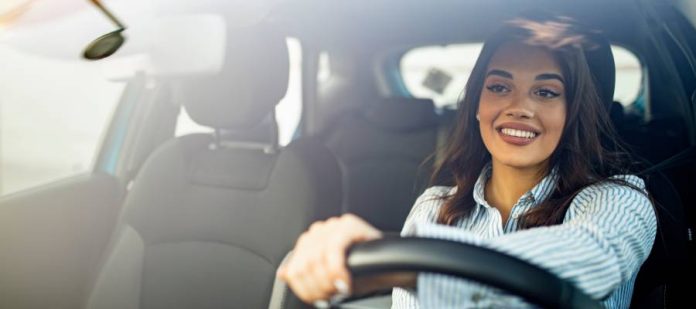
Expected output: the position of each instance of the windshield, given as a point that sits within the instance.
(53, 98)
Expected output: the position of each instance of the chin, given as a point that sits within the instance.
(521, 163)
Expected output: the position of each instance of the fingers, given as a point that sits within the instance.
(317, 270)
(363, 231)
(303, 270)
(335, 260)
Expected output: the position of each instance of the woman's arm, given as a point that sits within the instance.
(608, 233)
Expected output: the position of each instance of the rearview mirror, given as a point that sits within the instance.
(105, 45)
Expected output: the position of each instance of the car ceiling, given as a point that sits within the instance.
(354, 24)
(379, 24)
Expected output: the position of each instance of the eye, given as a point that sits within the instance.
(498, 88)
(546, 93)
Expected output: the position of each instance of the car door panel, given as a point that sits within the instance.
(52, 238)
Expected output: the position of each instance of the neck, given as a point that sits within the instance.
(507, 184)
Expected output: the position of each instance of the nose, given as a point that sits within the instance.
(519, 113)
(519, 109)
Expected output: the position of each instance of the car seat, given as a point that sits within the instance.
(209, 217)
(668, 254)
(382, 148)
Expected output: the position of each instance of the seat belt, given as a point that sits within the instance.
(676, 160)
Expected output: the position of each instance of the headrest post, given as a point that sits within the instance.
(217, 137)
(274, 131)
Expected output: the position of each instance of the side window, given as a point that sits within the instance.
(629, 76)
(53, 113)
(288, 111)
(441, 72)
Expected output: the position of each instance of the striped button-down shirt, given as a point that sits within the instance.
(606, 235)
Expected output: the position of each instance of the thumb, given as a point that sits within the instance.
(280, 273)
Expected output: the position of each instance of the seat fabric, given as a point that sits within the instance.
(382, 150)
(210, 217)
(668, 254)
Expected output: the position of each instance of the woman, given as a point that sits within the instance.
(536, 174)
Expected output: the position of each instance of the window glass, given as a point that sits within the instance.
(324, 68)
(53, 113)
(288, 110)
(629, 76)
(440, 72)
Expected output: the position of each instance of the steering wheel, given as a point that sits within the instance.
(483, 265)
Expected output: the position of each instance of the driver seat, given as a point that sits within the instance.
(210, 216)
(668, 255)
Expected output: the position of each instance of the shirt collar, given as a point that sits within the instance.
(479, 195)
(545, 187)
(538, 193)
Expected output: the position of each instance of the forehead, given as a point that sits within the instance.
(520, 58)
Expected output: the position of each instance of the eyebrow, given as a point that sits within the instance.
(547, 76)
(500, 73)
(543, 76)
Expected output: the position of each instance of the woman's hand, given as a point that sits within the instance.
(316, 269)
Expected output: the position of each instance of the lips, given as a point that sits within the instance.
(517, 133)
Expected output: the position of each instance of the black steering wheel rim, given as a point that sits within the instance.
(508, 273)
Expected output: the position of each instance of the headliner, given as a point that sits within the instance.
(381, 24)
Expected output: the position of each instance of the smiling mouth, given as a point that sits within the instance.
(518, 133)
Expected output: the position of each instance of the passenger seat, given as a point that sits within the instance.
(210, 216)
(382, 149)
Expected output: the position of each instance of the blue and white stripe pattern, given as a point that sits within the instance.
(606, 235)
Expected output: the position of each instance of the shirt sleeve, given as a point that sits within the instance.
(424, 210)
(607, 234)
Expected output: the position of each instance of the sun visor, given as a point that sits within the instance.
(171, 47)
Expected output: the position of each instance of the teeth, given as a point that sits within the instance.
(518, 133)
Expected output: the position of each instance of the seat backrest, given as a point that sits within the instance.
(668, 254)
(210, 216)
(665, 267)
(381, 150)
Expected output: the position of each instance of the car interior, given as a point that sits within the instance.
(177, 220)
(203, 220)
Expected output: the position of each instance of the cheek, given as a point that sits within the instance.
(487, 113)
(554, 122)
(487, 110)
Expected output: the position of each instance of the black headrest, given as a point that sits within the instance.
(253, 79)
(601, 62)
(401, 114)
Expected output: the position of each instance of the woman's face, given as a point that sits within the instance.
(522, 109)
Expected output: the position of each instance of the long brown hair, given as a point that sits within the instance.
(588, 152)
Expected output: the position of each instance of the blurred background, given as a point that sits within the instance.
(55, 106)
